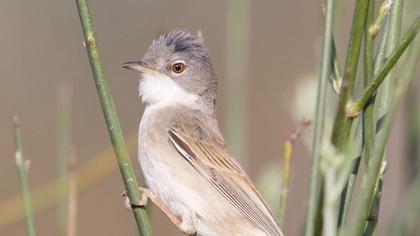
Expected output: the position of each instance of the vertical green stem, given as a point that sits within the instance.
(374, 214)
(315, 180)
(363, 126)
(368, 115)
(364, 204)
(384, 102)
(349, 189)
(389, 64)
(111, 118)
(393, 39)
(63, 151)
(237, 59)
(343, 123)
(23, 167)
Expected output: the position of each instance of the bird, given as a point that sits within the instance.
(189, 172)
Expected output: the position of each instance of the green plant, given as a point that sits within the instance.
(111, 118)
(362, 125)
(23, 168)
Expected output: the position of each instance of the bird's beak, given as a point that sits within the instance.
(135, 66)
(141, 67)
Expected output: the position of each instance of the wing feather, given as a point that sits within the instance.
(212, 160)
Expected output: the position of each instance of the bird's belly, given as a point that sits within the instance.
(184, 191)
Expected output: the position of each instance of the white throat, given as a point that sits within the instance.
(163, 91)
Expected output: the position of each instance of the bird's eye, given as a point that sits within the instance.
(178, 67)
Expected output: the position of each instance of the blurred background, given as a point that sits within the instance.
(266, 57)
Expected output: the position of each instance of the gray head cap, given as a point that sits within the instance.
(183, 41)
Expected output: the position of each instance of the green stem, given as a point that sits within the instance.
(111, 118)
(348, 188)
(385, 99)
(238, 14)
(288, 150)
(373, 172)
(63, 152)
(368, 112)
(374, 213)
(336, 78)
(374, 26)
(362, 128)
(23, 167)
(314, 191)
(383, 72)
(342, 123)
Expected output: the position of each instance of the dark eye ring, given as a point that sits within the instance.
(178, 67)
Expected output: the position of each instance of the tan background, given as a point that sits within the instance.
(41, 46)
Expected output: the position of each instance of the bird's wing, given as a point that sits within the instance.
(210, 157)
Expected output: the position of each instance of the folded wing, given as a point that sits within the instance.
(211, 159)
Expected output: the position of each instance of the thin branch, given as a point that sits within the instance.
(314, 191)
(72, 196)
(23, 167)
(111, 118)
(362, 127)
(288, 152)
(384, 101)
(336, 78)
(373, 217)
(383, 10)
(63, 151)
(342, 123)
(355, 109)
(363, 205)
(368, 115)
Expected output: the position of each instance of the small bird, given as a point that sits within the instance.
(190, 174)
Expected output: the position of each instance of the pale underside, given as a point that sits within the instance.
(186, 163)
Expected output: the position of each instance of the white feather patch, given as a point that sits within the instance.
(154, 89)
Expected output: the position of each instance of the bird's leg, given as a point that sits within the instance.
(187, 225)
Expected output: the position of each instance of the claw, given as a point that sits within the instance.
(130, 205)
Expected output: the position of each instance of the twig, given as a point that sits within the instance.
(384, 101)
(238, 14)
(63, 151)
(111, 118)
(96, 169)
(288, 152)
(362, 128)
(72, 196)
(355, 108)
(368, 115)
(383, 10)
(314, 190)
(23, 167)
(374, 214)
(342, 123)
(336, 78)
(363, 205)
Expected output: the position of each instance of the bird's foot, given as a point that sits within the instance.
(188, 224)
(129, 205)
